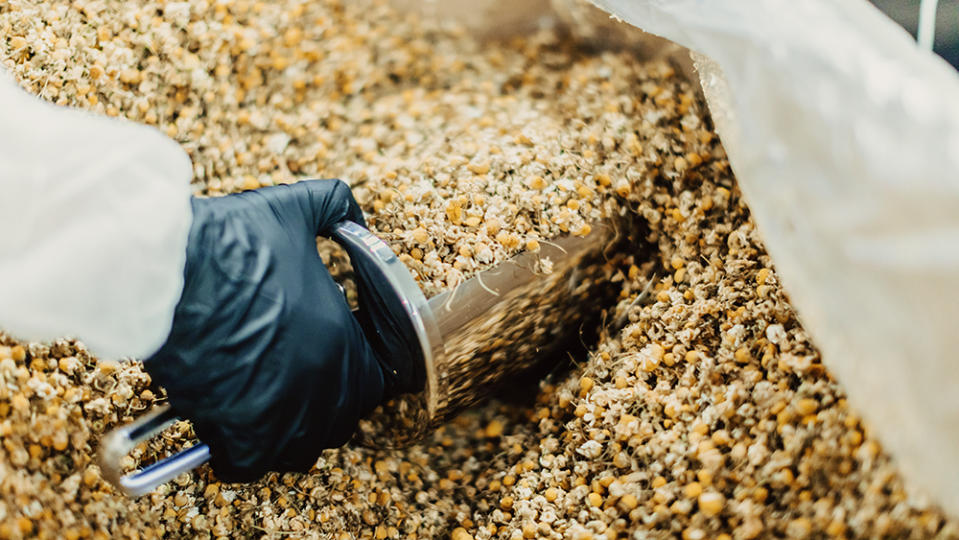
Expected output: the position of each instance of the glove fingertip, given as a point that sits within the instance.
(332, 201)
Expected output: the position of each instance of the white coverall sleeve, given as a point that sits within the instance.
(95, 214)
(844, 137)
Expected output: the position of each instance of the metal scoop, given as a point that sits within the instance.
(503, 320)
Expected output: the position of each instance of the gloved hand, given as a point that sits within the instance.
(265, 356)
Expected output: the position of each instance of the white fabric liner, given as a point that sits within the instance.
(95, 213)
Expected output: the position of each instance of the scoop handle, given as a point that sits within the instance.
(119, 442)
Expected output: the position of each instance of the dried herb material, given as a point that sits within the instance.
(710, 415)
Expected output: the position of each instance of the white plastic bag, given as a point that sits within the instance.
(94, 213)
(844, 137)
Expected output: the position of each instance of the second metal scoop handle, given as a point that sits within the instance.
(359, 242)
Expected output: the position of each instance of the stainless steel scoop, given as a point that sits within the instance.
(496, 324)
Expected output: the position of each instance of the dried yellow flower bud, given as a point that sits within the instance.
(460, 533)
(479, 168)
(536, 182)
(711, 503)
(494, 429)
(806, 406)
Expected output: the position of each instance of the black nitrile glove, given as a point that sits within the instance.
(265, 356)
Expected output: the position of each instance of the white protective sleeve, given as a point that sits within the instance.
(94, 214)
(844, 137)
